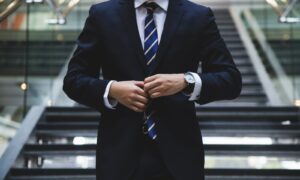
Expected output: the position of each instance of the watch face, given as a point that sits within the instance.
(190, 78)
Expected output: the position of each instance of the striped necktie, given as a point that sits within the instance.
(151, 37)
(150, 50)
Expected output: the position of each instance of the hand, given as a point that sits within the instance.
(164, 85)
(130, 94)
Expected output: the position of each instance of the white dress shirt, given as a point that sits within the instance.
(159, 19)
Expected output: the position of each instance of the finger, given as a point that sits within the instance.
(151, 78)
(139, 105)
(151, 85)
(133, 107)
(136, 109)
(141, 92)
(156, 95)
(142, 99)
(139, 84)
(154, 90)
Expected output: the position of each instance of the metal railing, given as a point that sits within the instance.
(61, 14)
(283, 9)
(10, 9)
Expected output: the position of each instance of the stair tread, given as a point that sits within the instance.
(222, 172)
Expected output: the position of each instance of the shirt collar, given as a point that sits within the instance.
(163, 4)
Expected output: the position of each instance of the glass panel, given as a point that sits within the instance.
(12, 73)
(34, 51)
(288, 10)
(283, 38)
(52, 40)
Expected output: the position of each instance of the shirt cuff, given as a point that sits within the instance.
(109, 102)
(197, 89)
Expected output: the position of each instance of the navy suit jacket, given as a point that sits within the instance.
(110, 42)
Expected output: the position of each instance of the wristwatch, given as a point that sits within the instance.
(189, 78)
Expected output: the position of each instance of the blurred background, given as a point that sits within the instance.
(45, 135)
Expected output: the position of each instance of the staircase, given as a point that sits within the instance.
(62, 145)
(252, 93)
(288, 55)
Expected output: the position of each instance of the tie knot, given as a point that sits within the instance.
(150, 6)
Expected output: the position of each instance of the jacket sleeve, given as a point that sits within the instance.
(221, 80)
(82, 82)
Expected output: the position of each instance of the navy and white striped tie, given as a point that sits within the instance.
(150, 50)
(151, 37)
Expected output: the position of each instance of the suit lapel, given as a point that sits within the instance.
(173, 19)
(127, 14)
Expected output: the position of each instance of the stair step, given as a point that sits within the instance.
(240, 128)
(229, 32)
(236, 114)
(75, 121)
(266, 150)
(56, 111)
(202, 113)
(211, 174)
(226, 28)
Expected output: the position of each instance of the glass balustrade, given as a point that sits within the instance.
(36, 39)
(277, 21)
(287, 10)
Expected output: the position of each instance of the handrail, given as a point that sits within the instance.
(285, 18)
(15, 146)
(267, 84)
(11, 8)
(283, 13)
(70, 7)
(275, 7)
(283, 78)
(58, 12)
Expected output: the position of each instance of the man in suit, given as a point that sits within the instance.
(149, 53)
